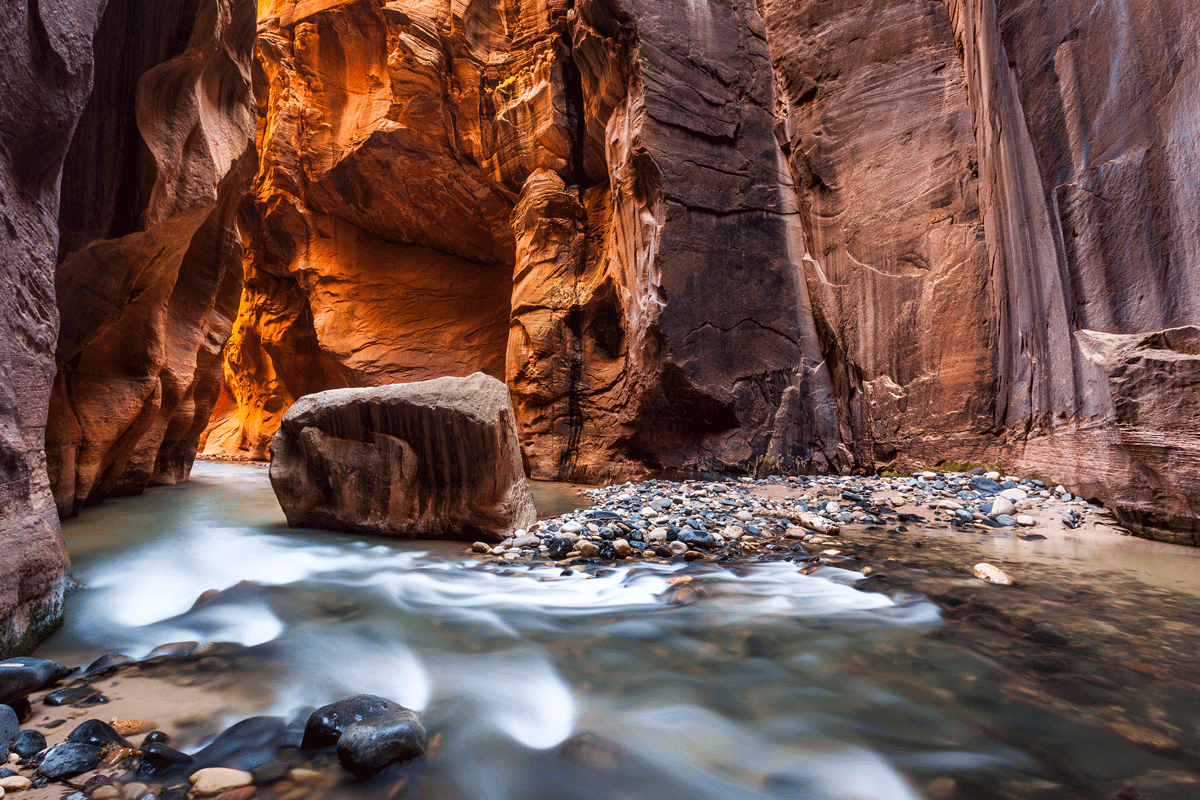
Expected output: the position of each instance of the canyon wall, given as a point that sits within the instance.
(727, 236)
(45, 77)
(1001, 201)
(150, 254)
(578, 199)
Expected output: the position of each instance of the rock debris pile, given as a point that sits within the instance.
(776, 517)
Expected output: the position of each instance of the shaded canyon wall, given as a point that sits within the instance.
(150, 253)
(45, 77)
(125, 148)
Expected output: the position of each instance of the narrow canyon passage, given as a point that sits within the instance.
(870, 325)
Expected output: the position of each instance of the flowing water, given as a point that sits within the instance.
(773, 684)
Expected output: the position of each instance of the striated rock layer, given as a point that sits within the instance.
(150, 252)
(579, 199)
(45, 77)
(735, 236)
(426, 459)
(1001, 205)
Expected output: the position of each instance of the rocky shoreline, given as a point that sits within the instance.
(801, 518)
(63, 729)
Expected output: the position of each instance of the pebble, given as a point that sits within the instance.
(135, 790)
(15, 783)
(305, 775)
(589, 550)
(1002, 505)
(158, 761)
(622, 548)
(132, 727)
(108, 792)
(213, 781)
(66, 697)
(992, 574)
(28, 743)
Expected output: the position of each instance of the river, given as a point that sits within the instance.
(773, 684)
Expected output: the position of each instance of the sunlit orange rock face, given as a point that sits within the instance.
(586, 200)
(150, 255)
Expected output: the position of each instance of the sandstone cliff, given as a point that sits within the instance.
(45, 76)
(727, 236)
(150, 253)
(578, 199)
(1001, 204)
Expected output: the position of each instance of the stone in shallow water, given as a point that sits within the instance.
(215, 780)
(97, 733)
(22, 675)
(65, 697)
(559, 547)
(159, 761)
(427, 459)
(992, 574)
(70, 759)
(368, 747)
(328, 723)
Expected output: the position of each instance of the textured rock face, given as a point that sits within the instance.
(45, 76)
(531, 192)
(150, 253)
(1001, 203)
(795, 234)
(431, 458)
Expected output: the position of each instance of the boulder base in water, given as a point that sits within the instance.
(432, 458)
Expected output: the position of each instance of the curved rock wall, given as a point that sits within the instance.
(45, 76)
(150, 271)
(560, 196)
(714, 236)
(689, 236)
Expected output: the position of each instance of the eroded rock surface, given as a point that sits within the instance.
(150, 271)
(1001, 205)
(45, 77)
(426, 459)
(585, 201)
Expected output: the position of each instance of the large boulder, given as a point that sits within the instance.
(425, 459)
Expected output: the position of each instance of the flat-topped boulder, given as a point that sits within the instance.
(436, 458)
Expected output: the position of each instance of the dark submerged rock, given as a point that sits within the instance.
(70, 759)
(328, 723)
(107, 662)
(367, 748)
(155, 737)
(160, 762)
(66, 697)
(22, 675)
